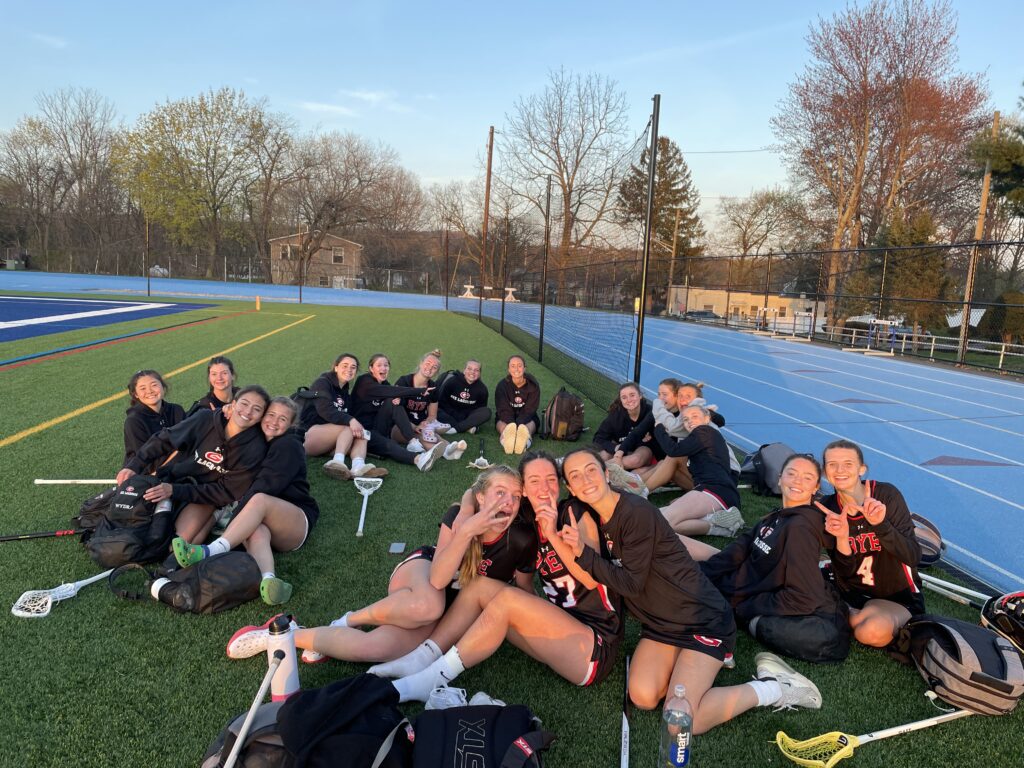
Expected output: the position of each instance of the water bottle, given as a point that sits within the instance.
(286, 680)
(676, 731)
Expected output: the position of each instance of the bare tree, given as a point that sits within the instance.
(574, 132)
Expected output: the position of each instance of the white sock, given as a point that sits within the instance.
(768, 692)
(218, 546)
(417, 687)
(269, 575)
(357, 463)
(421, 657)
(340, 457)
(341, 621)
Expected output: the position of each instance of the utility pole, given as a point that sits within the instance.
(649, 218)
(672, 263)
(972, 267)
(145, 261)
(487, 213)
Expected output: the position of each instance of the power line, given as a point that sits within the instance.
(728, 151)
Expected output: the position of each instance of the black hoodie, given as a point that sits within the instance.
(517, 405)
(141, 422)
(209, 468)
(772, 570)
(369, 395)
(327, 402)
(458, 398)
(618, 430)
(209, 402)
(708, 456)
(283, 475)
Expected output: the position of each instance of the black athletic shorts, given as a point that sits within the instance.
(912, 601)
(602, 659)
(715, 647)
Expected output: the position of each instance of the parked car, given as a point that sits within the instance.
(705, 315)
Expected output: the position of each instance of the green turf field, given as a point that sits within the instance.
(106, 682)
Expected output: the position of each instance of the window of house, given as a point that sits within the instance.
(709, 307)
(754, 309)
(338, 255)
(285, 251)
(782, 311)
(325, 282)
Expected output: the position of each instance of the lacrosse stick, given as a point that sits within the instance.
(626, 709)
(366, 486)
(951, 587)
(42, 534)
(828, 749)
(956, 597)
(244, 731)
(43, 481)
(35, 604)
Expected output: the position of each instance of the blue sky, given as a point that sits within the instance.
(429, 78)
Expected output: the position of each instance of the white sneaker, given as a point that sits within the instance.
(426, 459)
(363, 470)
(444, 697)
(415, 446)
(482, 698)
(797, 690)
(251, 640)
(454, 451)
(337, 469)
(309, 656)
(725, 522)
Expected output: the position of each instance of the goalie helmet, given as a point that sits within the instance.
(1005, 615)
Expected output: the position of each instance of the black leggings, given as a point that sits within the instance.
(475, 418)
(391, 415)
(810, 638)
(383, 445)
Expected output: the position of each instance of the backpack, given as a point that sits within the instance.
(483, 736)
(563, 418)
(212, 585)
(122, 527)
(764, 467)
(929, 539)
(262, 747)
(970, 667)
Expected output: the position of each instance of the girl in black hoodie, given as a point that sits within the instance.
(277, 513)
(220, 373)
(516, 402)
(624, 437)
(771, 577)
(148, 414)
(216, 457)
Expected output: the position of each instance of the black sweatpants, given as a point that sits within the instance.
(475, 418)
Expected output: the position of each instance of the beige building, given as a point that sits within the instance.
(743, 307)
(337, 264)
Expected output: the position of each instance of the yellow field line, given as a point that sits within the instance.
(100, 403)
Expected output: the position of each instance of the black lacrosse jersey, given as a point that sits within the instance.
(328, 402)
(514, 550)
(885, 556)
(416, 405)
(658, 580)
(599, 608)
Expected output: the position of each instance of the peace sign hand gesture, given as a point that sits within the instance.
(571, 536)
(836, 525)
(873, 509)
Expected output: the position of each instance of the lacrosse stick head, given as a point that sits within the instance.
(820, 752)
(367, 485)
(34, 604)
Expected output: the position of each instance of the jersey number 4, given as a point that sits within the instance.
(562, 587)
(867, 578)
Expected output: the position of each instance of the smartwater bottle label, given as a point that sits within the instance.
(681, 755)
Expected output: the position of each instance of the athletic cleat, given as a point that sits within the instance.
(797, 690)
(338, 470)
(522, 439)
(251, 640)
(426, 459)
(454, 451)
(187, 554)
(415, 446)
(508, 438)
(444, 697)
(480, 698)
(309, 656)
(275, 591)
(725, 522)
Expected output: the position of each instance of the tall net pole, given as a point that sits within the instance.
(487, 213)
(648, 219)
(544, 272)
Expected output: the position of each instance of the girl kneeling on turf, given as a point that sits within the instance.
(577, 631)
(687, 626)
(495, 543)
(771, 577)
(277, 513)
(876, 553)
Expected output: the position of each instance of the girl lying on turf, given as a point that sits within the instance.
(687, 629)
(473, 549)
(277, 513)
(577, 631)
(771, 576)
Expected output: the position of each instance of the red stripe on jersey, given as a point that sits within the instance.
(716, 497)
(602, 590)
(591, 674)
(910, 578)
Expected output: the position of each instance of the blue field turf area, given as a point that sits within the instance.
(951, 440)
(27, 316)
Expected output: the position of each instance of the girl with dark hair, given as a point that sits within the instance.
(712, 507)
(148, 414)
(876, 552)
(494, 543)
(277, 513)
(624, 437)
(770, 575)
(687, 629)
(329, 425)
(220, 373)
(516, 402)
(462, 399)
(577, 631)
(217, 454)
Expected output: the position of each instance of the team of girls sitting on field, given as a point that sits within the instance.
(516, 405)
(277, 513)
(494, 542)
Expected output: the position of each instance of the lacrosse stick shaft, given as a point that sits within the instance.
(953, 587)
(362, 515)
(271, 669)
(624, 750)
(42, 534)
(43, 481)
(86, 582)
(956, 597)
(899, 730)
